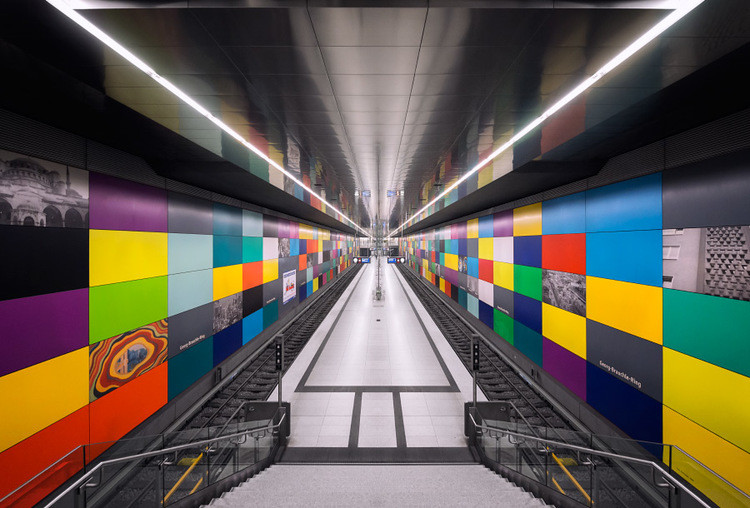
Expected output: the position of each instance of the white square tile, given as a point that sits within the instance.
(411, 421)
(306, 421)
(333, 441)
(335, 430)
(427, 441)
(310, 407)
(333, 420)
(377, 426)
(419, 430)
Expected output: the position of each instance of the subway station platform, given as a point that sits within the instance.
(377, 381)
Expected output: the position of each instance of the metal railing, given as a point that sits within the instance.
(88, 480)
(660, 476)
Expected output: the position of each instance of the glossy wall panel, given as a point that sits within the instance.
(708, 395)
(27, 268)
(122, 205)
(57, 387)
(35, 453)
(713, 329)
(630, 256)
(28, 340)
(564, 215)
(631, 205)
(708, 193)
(639, 305)
(118, 256)
(118, 308)
(103, 324)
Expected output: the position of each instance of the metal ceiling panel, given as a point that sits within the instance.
(257, 27)
(376, 97)
(370, 26)
(372, 84)
(372, 103)
(260, 60)
(370, 59)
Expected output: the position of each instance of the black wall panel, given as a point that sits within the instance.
(715, 192)
(287, 264)
(270, 226)
(252, 300)
(503, 300)
(190, 328)
(190, 215)
(636, 361)
(38, 260)
(272, 290)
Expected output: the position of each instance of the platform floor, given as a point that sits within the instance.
(377, 380)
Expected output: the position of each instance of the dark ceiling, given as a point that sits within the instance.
(404, 98)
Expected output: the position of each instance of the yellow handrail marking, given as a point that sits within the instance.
(196, 486)
(575, 482)
(182, 478)
(558, 486)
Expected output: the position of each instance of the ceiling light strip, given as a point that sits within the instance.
(67, 10)
(643, 40)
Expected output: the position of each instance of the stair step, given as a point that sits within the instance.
(381, 485)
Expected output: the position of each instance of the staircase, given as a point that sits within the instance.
(377, 485)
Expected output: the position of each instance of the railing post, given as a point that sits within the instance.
(161, 481)
(474, 365)
(595, 484)
(280, 364)
(256, 454)
(208, 466)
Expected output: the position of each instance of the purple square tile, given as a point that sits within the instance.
(123, 205)
(38, 328)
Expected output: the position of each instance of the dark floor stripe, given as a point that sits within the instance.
(378, 455)
(356, 414)
(398, 413)
(379, 389)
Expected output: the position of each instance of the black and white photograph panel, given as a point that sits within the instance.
(564, 290)
(227, 311)
(713, 260)
(35, 192)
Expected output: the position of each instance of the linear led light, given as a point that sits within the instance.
(65, 8)
(685, 7)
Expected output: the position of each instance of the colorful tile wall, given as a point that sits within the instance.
(582, 285)
(130, 295)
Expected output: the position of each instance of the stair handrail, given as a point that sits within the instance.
(714, 473)
(195, 462)
(670, 480)
(40, 473)
(165, 451)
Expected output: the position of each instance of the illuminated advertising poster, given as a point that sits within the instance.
(290, 285)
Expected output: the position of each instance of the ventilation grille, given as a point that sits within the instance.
(110, 161)
(226, 200)
(22, 135)
(640, 162)
(188, 189)
(719, 137)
